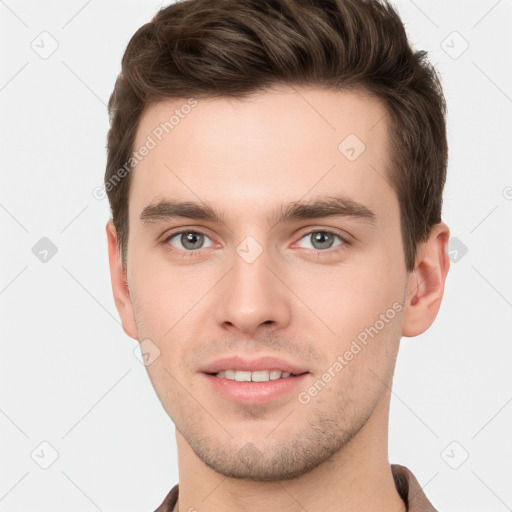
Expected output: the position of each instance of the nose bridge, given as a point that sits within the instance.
(252, 295)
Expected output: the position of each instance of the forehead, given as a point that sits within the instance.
(246, 156)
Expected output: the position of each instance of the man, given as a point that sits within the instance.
(275, 172)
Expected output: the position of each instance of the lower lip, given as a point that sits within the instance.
(254, 393)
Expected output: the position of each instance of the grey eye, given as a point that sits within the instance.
(189, 240)
(321, 240)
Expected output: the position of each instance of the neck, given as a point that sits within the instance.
(357, 477)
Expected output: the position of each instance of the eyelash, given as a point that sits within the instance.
(315, 252)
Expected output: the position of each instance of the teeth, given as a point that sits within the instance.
(260, 376)
(242, 376)
(257, 376)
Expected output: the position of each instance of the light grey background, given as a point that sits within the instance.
(68, 374)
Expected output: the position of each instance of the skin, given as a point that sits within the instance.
(244, 158)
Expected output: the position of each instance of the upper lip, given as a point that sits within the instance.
(260, 363)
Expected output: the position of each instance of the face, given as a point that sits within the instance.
(289, 247)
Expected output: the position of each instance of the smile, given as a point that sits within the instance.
(256, 376)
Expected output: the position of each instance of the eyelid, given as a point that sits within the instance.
(184, 229)
(307, 230)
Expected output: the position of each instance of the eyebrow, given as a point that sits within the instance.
(328, 206)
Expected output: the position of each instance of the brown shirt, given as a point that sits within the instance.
(406, 484)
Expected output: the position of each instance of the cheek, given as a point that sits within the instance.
(350, 297)
(361, 305)
(160, 294)
(152, 307)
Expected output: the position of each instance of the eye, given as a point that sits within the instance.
(322, 240)
(188, 241)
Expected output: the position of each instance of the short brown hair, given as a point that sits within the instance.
(232, 48)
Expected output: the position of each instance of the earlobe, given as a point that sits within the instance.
(119, 284)
(426, 282)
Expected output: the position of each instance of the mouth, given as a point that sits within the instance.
(254, 382)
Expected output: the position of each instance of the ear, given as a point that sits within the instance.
(426, 283)
(119, 283)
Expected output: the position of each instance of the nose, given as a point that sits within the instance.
(253, 297)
